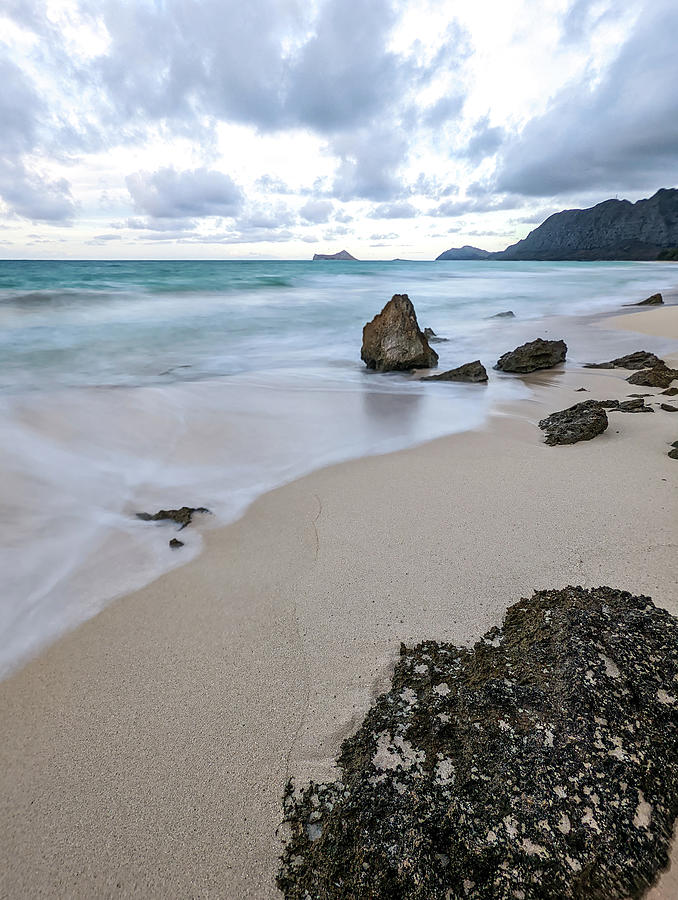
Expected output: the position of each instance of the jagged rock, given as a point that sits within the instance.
(673, 453)
(669, 392)
(433, 338)
(509, 314)
(473, 371)
(659, 376)
(540, 764)
(581, 422)
(393, 341)
(182, 516)
(607, 404)
(534, 355)
(630, 406)
(668, 408)
(175, 544)
(579, 390)
(641, 359)
(654, 300)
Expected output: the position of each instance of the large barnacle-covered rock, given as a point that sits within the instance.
(541, 763)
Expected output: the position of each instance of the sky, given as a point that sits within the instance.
(258, 129)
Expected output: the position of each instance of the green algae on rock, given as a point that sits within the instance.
(541, 763)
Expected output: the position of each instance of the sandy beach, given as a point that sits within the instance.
(145, 753)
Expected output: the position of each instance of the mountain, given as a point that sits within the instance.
(342, 254)
(465, 252)
(614, 229)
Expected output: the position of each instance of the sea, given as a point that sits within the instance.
(129, 386)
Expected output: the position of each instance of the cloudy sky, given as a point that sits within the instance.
(280, 128)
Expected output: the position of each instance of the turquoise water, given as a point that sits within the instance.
(130, 386)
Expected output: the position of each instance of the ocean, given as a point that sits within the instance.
(128, 386)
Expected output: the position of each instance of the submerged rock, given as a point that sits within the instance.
(581, 422)
(641, 359)
(393, 341)
(534, 355)
(659, 376)
(541, 764)
(175, 544)
(473, 371)
(509, 314)
(182, 516)
(433, 338)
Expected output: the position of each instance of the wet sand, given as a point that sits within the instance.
(145, 753)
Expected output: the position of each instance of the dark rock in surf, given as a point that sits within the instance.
(641, 359)
(581, 422)
(669, 392)
(532, 356)
(509, 314)
(654, 300)
(433, 338)
(393, 341)
(659, 376)
(175, 544)
(542, 764)
(182, 516)
(474, 372)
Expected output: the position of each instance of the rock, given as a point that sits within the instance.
(342, 254)
(176, 544)
(641, 359)
(673, 453)
(509, 314)
(465, 252)
(579, 390)
(658, 376)
(636, 405)
(669, 392)
(643, 395)
(608, 404)
(534, 355)
(473, 371)
(668, 408)
(542, 763)
(183, 516)
(580, 422)
(393, 341)
(654, 300)
(433, 338)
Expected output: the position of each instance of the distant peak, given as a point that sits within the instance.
(342, 254)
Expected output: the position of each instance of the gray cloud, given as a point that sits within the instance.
(399, 210)
(473, 204)
(484, 141)
(620, 133)
(168, 194)
(316, 211)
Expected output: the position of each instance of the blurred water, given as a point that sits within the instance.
(128, 386)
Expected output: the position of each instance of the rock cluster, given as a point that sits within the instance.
(659, 376)
(393, 341)
(580, 422)
(474, 371)
(182, 516)
(534, 355)
(641, 359)
(541, 764)
(629, 406)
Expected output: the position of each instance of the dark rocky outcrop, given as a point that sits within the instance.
(540, 764)
(668, 408)
(659, 376)
(654, 300)
(393, 341)
(342, 254)
(433, 338)
(581, 422)
(673, 453)
(637, 404)
(534, 355)
(669, 392)
(509, 314)
(465, 252)
(176, 544)
(182, 516)
(473, 371)
(641, 359)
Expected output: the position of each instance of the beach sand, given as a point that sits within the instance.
(145, 753)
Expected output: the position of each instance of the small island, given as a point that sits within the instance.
(342, 254)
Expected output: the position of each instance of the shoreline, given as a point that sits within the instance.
(172, 718)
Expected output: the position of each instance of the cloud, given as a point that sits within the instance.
(484, 141)
(316, 211)
(619, 133)
(168, 194)
(398, 210)
(479, 204)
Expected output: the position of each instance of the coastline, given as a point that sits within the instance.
(149, 747)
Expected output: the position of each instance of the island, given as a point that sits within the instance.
(342, 254)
